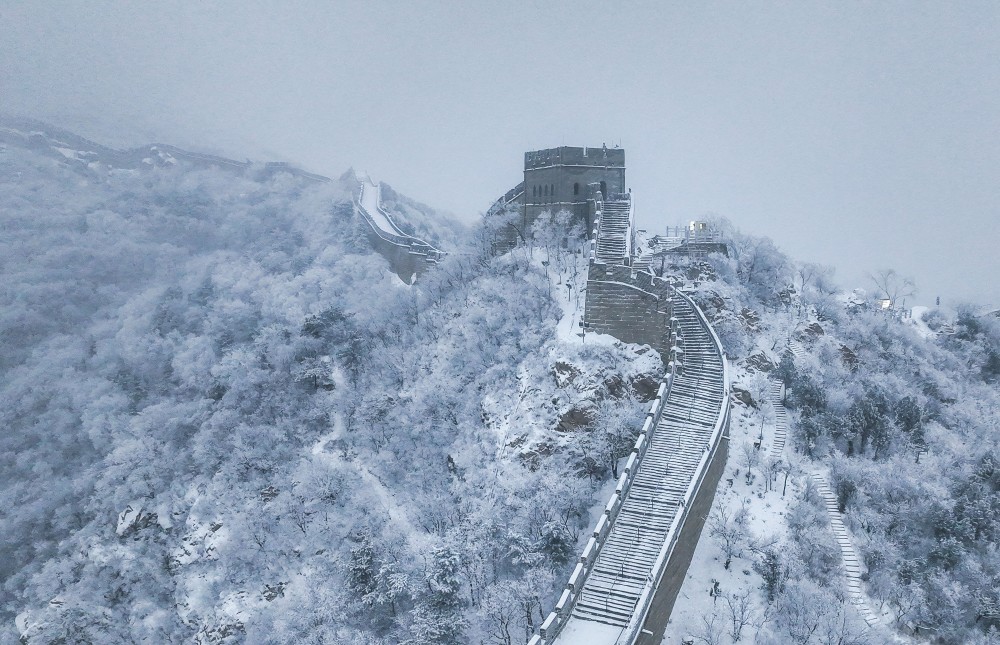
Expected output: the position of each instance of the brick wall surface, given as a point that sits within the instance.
(631, 306)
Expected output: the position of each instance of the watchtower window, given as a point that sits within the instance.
(576, 188)
(552, 190)
(534, 191)
(604, 189)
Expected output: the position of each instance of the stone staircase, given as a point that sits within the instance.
(626, 560)
(852, 565)
(851, 562)
(797, 350)
(780, 419)
(613, 234)
(644, 260)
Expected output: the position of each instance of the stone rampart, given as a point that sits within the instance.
(408, 256)
(652, 611)
(556, 619)
(633, 306)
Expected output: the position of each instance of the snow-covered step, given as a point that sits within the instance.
(780, 420)
(613, 232)
(676, 447)
(851, 562)
(797, 350)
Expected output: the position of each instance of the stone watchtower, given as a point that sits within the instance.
(567, 178)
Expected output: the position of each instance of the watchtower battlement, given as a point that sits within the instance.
(569, 155)
(568, 178)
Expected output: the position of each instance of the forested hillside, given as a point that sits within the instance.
(900, 415)
(226, 420)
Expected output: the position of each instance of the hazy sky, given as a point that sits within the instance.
(863, 135)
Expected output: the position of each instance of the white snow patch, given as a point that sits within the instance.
(588, 632)
(21, 623)
(69, 153)
(917, 320)
(128, 517)
(369, 201)
(765, 520)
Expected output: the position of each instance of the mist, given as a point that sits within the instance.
(861, 136)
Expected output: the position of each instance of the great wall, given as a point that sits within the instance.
(407, 255)
(625, 582)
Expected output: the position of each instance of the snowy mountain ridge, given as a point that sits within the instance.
(227, 421)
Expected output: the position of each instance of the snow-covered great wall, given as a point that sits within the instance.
(627, 578)
(408, 256)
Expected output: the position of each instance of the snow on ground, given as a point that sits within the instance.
(588, 632)
(917, 320)
(69, 153)
(766, 510)
(571, 292)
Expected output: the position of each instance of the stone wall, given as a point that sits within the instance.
(405, 262)
(408, 256)
(680, 559)
(557, 179)
(631, 306)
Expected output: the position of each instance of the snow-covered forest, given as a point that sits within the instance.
(225, 420)
(899, 415)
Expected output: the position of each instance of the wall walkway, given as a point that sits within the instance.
(633, 565)
(407, 255)
(625, 582)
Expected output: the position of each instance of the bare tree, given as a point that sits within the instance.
(711, 629)
(741, 613)
(750, 458)
(730, 529)
(894, 287)
(772, 466)
(763, 618)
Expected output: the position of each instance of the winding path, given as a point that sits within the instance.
(624, 584)
(370, 200)
(849, 557)
(852, 564)
(627, 560)
(626, 581)
(407, 255)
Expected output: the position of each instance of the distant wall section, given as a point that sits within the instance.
(404, 263)
(408, 256)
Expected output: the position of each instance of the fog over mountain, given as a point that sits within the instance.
(864, 137)
(229, 418)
